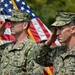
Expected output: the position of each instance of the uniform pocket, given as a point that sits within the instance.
(17, 61)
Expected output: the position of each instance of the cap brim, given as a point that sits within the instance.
(60, 23)
(13, 19)
(7, 20)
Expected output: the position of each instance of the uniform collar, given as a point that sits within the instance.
(19, 47)
(71, 52)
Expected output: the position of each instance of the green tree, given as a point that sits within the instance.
(46, 9)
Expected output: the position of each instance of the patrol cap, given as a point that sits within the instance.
(18, 15)
(63, 18)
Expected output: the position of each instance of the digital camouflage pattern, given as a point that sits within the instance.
(64, 63)
(63, 18)
(18, 15)
(20, 61)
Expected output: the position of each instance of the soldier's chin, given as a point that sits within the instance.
(60, 40)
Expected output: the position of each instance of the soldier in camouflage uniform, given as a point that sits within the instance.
(62, 57)
(17, 57)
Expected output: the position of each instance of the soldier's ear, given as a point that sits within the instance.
(73, 29)
(25, 25)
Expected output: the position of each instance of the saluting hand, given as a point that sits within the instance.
(52, 38)
(2, 28)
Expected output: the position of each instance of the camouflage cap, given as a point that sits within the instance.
(18, 15)
(63, 18)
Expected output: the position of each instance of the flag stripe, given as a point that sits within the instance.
(8, 37)
(38, 29)
(43, 28)
(34, 32)
(7, 31)
(4, 41)
(57, 43)
(3, 17)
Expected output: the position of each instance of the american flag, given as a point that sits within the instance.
(37, 31)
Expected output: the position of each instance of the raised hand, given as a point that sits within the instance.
(2, 28)
(52, 38)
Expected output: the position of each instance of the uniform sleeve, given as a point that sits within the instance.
(2, 47)
(44, 55)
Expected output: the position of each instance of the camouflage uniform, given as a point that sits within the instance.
(64, 63)
(19, 61)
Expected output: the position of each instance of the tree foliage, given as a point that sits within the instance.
(46, 9)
